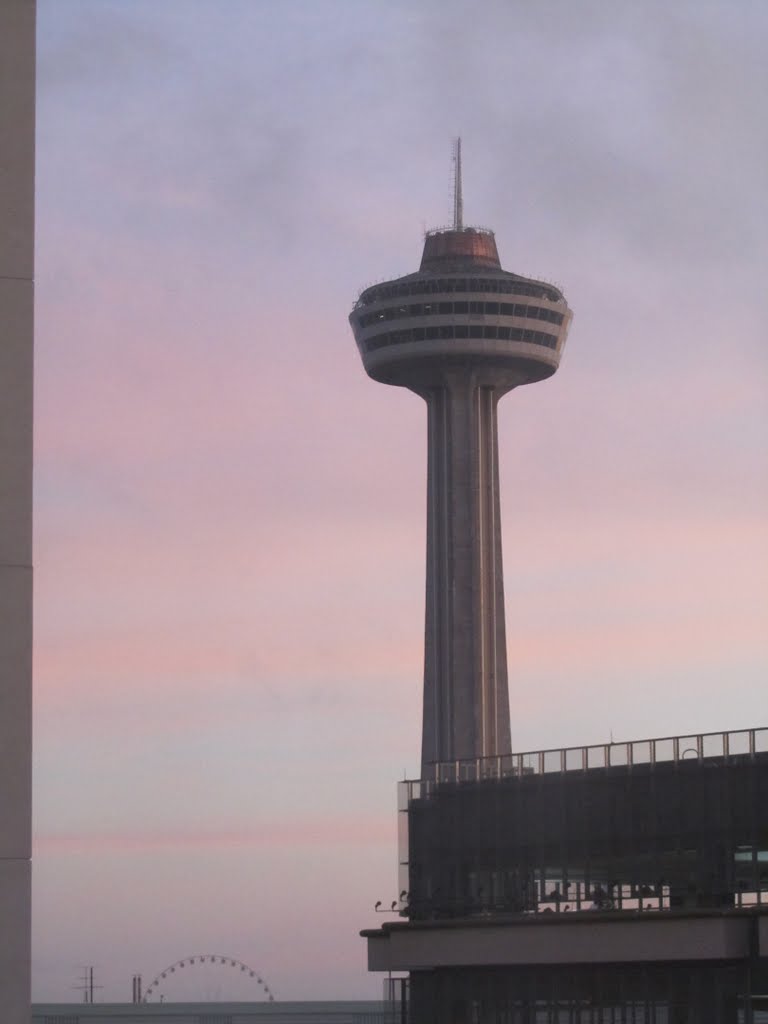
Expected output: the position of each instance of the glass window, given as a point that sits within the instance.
(461, 331)
(476, 307)
(445, 307)
(461, 307)
(492, 308)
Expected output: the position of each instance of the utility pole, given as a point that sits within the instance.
(88, 987)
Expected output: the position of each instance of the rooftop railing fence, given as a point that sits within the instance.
(477, 228)
(696, 747)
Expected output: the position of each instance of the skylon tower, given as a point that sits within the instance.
(461, 332)
(622, 881)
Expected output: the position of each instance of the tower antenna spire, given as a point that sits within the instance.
(458, 205)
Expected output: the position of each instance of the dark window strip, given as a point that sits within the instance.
(449, 331)
(439, 286)
(458, 308)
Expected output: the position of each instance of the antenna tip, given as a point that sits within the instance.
(458, 205)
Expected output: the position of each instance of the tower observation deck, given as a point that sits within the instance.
(461, 332)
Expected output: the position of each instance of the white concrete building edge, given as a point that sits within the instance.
(17, 147)
(602, 940)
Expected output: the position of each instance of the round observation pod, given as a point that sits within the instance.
(460, 310)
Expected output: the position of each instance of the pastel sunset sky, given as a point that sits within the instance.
(230, 515)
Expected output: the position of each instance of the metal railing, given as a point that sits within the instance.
(477, 228)
(696, 747)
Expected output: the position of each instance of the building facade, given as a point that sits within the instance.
(17, 154)
(623, 883)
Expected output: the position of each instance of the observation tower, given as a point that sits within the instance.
(618, 881)
(461, 332)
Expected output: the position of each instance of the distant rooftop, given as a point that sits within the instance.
(315, 1012)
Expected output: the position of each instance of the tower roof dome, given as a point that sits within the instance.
(465, 247)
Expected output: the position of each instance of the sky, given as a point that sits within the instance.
(230, 516)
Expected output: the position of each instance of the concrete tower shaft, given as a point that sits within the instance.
(466, 703)
(461, 333)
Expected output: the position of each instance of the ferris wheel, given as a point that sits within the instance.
(194, 963)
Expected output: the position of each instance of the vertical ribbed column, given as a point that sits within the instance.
(17, 132)
(466, 702)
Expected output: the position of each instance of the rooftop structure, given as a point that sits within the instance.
(461, 332)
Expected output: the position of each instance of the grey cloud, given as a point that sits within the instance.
(638, 121)
(87, 45)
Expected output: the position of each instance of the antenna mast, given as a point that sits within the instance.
(458, 207)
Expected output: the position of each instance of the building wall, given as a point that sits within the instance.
(692, 833)
(568, 939)
(652, 994)
(17, 146)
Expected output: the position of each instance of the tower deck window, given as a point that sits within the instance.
(459, 308)
(461, 332)
(446, 285)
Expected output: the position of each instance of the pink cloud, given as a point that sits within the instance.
(304, 834)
